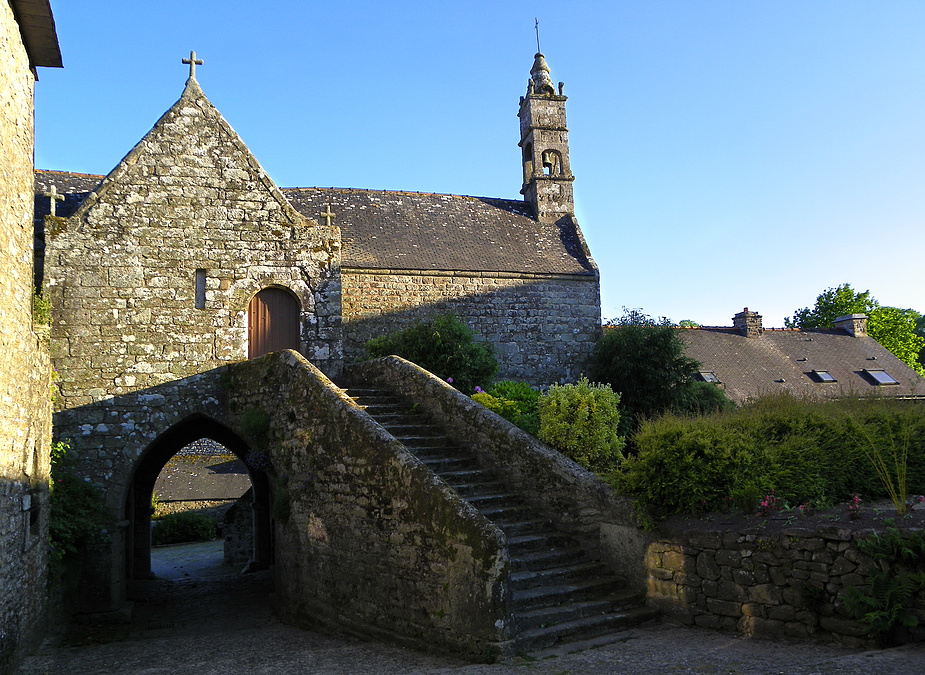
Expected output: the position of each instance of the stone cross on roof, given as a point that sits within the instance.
(54, 196)
(327, 215)
(193, 62)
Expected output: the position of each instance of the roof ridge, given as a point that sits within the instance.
(70, 173)
(406, 192)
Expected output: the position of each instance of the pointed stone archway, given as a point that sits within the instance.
(138, 499)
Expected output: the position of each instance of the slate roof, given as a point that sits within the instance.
(783, 360)
(406, 230)
(74, 186)
(421, 231)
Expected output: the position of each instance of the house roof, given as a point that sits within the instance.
(405, 230)
(784, 360)
(420, 231)
(37, 26)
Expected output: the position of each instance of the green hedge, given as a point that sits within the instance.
(807, 452)
(182, 527)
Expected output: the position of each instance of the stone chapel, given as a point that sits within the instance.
(187, 256)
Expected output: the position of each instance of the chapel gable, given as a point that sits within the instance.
(159, 266)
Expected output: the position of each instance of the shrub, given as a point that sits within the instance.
(580, 420)
(806, 451)
(76, 507)
(443, 345)
(183, 527)
(514, 401)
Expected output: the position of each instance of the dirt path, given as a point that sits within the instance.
(203, 619)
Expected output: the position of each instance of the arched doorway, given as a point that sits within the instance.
(273, 322)
(138, 500)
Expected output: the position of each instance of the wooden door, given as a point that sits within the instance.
(272, 322)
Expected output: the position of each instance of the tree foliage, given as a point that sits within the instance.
(443, 345)
(894, 328)
(831, 304)
(643, 359)
(901, 331)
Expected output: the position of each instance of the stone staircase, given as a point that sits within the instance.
(560, 593)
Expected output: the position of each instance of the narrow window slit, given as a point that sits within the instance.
(200, 289)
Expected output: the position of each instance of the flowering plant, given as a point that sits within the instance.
(854, 506)
(769, 504)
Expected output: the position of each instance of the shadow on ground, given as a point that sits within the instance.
(202, 618)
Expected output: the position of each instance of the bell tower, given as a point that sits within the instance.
(548, 176)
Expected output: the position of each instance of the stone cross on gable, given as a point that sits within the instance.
(54, 196)
(193, 62)
(327, 215)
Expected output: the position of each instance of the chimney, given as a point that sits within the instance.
(748, 323)
(853, 324)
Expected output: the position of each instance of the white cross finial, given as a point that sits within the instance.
(54, 196)
(193, 62)
(327, 215)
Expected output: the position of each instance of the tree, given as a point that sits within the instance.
(643, 360)
(831, 304)
(898, 330)
(895, 329)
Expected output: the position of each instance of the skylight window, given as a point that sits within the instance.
(823, 376)
(706, 376)
(880, 377)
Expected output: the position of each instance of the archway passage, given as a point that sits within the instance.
(138, 502)
(272, 322)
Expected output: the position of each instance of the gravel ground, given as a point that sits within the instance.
(201, 618)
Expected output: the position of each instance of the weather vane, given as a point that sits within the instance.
(537, 26)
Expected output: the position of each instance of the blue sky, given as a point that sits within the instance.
(726, 154)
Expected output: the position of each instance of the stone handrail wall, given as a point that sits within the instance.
(367, 537)
(577, 500)
(782, 584)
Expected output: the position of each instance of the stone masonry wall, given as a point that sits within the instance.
(784, 584)
(24, 369)
(122, 270)
(542, 327)
(366, 536)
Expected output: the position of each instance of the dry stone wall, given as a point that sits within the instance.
(24, 368)
(122, 270)
(782, 584)
(542, 327)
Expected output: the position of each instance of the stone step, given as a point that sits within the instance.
(498, 500)
(581, 628)
(558, 592)
(466, 476)
(447, 464)
(543, 541)
(551, 595)
(539, 560)
(501, 515)
(402, 427)
(467, 490)
(555, 576)
(543, 617)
